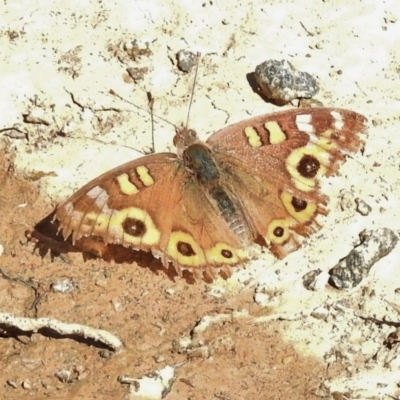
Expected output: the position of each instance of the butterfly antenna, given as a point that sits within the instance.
(194, 84)
(141, 108)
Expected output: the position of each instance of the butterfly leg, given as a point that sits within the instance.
(42, 240)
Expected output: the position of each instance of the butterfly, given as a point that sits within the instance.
(201, 208)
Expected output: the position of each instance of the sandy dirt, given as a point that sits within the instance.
(267, 336)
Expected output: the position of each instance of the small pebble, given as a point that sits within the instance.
(101, 282)
(280, 81)
(182, 344)
(116, 302)
(186, 60)
(353, 268)
(63, 375)
(315, 280)
(126, 379)
(320, 313)
(13, 383)
(262, 299)
(37, 116)
(137, 73)
(159, 358)
(26, 384)
(202, 352)
(105, 353)
(362, 207)
(63, 286)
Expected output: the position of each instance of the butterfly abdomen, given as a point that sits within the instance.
(230, 212)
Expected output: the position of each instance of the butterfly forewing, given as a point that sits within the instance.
(152, 204)
(98, 209)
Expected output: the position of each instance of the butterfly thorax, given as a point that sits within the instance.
(200, 162)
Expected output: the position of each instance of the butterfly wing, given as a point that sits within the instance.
(152, 204)
(273, 164)
(262, 187)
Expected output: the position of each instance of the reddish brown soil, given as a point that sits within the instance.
(145, 310)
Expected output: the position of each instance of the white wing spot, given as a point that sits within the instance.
(99, 194)
(303, 123)
(94, 192)
(338, 124)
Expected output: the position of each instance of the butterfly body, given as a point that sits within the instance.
(200, 209)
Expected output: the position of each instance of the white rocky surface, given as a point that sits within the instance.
(59, 61)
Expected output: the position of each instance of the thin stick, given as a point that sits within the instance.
(151, 105)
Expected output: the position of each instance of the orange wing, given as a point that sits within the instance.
(274, 163)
